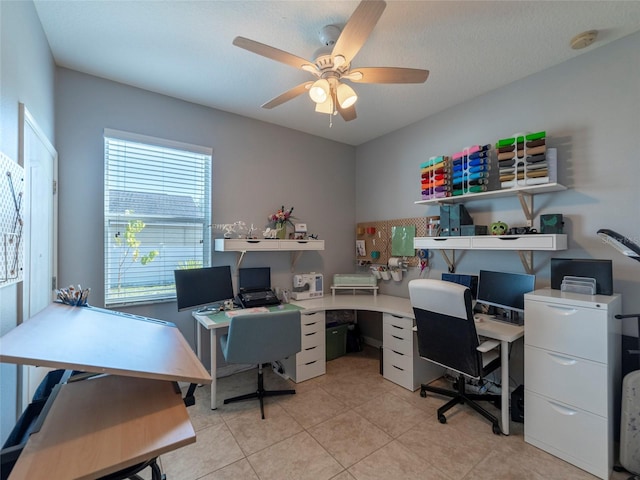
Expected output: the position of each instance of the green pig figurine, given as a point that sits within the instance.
(498, 228)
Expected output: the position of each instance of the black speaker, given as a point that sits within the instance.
(517, 405)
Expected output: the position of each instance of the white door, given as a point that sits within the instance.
(39, 160)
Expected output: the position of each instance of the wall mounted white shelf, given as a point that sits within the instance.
(523, 244)
(241, 246)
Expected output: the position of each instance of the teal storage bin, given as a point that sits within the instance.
(336, 340)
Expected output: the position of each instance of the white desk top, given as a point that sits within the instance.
(100, 341)
(379, 303)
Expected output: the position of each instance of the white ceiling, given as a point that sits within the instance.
(183, 49)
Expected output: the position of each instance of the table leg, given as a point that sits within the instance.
(504, 367)
(214, 351)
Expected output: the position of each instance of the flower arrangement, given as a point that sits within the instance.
(280, 219)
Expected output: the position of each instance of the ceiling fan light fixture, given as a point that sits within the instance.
(325, 107)
(346, 95)
(319, 91)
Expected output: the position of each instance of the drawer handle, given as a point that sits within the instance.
(309, 314)
(396, 326)
(310, 348)
(563, 310)
(311, 363)
(397, 338)
(508, 238)
(309, 334)
(562, 409)
(401, 369)
(253, 241)
(397, 353)
(309, 324)
(562, 360)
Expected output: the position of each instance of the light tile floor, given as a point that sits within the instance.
(351, 424)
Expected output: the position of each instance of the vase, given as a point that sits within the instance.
(281, 231)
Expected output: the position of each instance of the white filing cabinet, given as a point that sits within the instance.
(311, 360)
(401, 362)
(572, 376)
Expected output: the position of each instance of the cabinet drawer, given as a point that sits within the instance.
(577, 331)
(577, 436)
(312, 326)
(398, 359)
(404, 323)
(524, 242)
(442, 242)
(572, 380)
(312, 339)
(312, 369)
(301, 244)
(392, 341)
(397, 371)
(309, 354)
(239, 244)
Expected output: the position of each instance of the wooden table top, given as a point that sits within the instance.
(99, 426)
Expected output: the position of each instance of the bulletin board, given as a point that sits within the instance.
(11, 221)
(377, 237)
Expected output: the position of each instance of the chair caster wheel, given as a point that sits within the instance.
(442, 419)
(423, 393)
(496, 429)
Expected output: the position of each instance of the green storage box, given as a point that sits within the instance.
(336, 340)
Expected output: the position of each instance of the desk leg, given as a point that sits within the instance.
(214, 352)
(504, 367)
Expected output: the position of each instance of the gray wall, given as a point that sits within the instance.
(590, 109)
(257, 167)
(26, 75)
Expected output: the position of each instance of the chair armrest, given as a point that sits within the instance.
(487, 345)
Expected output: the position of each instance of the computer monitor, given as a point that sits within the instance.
(258, 278)
(203, 287)
(504, 290)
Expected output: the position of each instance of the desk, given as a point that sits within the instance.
(504, 332)
(131, 348)
(116, 421)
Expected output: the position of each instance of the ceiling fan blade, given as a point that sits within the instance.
(387, 75)
(273, 53)
(288, 95)
(358, 29)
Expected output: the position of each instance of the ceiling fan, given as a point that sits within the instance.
(332, 67)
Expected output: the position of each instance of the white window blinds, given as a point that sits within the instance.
(157, 212)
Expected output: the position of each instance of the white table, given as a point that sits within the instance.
(501, 331)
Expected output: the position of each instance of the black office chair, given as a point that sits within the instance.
(447, 336)
(259, 338)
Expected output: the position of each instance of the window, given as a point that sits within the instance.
(157, 213)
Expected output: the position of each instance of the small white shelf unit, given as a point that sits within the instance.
(525, 245)
(241, 246)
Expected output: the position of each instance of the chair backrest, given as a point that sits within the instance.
(445, 326)
(263, 337)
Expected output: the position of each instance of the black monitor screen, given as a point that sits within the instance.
(254, 278)
(505, 290)
(199, 287)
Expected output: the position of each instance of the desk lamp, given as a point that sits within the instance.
(627, 450)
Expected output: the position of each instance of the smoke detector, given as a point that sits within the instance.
(583, 39)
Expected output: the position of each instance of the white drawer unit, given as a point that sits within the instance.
(572, 376)
(311, 360)
(401, 362)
